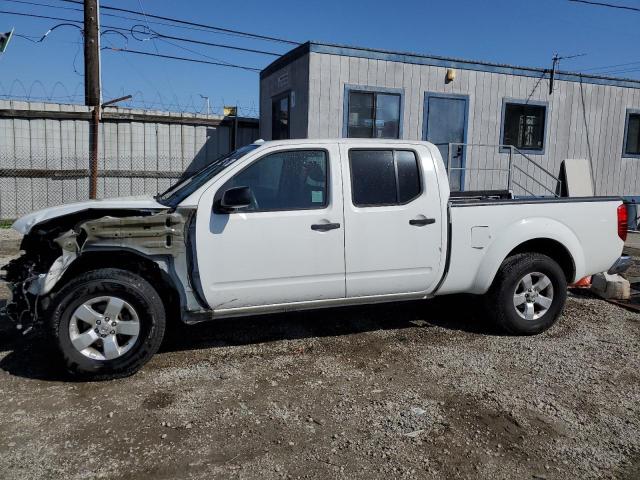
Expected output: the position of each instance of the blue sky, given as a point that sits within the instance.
(520, 32)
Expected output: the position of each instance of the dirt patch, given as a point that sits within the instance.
(413, 390)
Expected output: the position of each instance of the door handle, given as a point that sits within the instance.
(421, 222)
(324, 227)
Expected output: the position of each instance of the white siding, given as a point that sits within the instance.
(584, 120)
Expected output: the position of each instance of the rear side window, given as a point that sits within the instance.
(383, 177)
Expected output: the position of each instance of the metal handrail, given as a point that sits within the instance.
(530, 193)
(535, 180)
(512, 150)
(536, 164)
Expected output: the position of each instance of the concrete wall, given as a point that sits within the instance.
(584, 120)
(44, 152)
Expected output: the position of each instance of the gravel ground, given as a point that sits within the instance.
(413, 390)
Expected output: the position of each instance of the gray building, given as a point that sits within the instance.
(499, 114)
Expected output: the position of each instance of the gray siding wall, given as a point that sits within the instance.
(58, 146)
(293, 78)
(583, 120)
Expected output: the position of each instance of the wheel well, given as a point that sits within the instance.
(132, 262)
(552, 249)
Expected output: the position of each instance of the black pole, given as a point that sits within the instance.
(92, 86)
(235, 129)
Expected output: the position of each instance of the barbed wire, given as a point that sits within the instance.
(59, 93)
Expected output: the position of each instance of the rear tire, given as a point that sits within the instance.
(107, 323)
(528, 294)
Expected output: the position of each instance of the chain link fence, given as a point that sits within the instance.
(44, 152)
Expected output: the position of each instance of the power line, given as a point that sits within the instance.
(25, 2)
(155, 47)
(153, 32)
(45, 17)
(242, 67)
(606, 67)
(200, 42)
(193, 24)
(185, 59)
(147, 21)
(608, 5)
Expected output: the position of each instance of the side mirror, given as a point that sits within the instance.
(235, 199)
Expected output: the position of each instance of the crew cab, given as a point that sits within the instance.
(297, 224)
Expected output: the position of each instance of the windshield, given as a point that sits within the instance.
(191, 182)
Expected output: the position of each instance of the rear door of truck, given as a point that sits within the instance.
(395, 228)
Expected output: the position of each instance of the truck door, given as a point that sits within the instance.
(288, 245)
(393, 220)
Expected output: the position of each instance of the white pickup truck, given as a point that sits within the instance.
(290, 225)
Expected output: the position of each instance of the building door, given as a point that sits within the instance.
(445, 122)
(280, 113)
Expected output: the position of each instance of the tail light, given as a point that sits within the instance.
(622, 222)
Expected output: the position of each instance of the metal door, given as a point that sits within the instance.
(445, 122)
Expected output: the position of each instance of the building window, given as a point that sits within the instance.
(384, 177)
(373, 114)
(280, 115)
(524, 125)
(632, 134)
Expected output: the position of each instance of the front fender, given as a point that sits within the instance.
(518, 233)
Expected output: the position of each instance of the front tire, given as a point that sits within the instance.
(107, 323)
(528, 294)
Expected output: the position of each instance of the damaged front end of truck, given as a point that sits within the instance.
(152, 243)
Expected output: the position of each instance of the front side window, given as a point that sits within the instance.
(632, 140)
(373, 115)
(524, 126)
(383, 177)
(280, 113)
(291, 180)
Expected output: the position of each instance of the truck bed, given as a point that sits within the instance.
(483, 231)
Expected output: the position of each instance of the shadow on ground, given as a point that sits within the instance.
(33, 356)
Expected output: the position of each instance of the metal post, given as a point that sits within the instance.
(92, 94)
(449, 163)
(510, 167)
(93, 152)
(235, 129)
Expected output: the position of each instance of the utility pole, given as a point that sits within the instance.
(92, 95)
(555, 61)
(554, 65)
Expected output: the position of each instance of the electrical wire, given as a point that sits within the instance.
(224, 64)
(607, 67)
(157, 34)
(60, 7)
(45, 17)
(193, 60)
(608, 5)
(193, 24)
(123, 17)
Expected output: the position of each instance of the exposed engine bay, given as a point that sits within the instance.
(156, 242)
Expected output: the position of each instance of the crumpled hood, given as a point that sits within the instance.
(144, 202)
